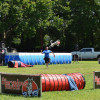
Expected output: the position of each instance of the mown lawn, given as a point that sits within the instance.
(84, 67)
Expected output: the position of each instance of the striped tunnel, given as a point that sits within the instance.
(59, 82)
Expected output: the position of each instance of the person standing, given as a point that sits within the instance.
(46, 57)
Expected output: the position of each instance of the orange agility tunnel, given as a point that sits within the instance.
(60, 82)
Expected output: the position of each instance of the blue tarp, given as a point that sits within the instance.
(72, 83)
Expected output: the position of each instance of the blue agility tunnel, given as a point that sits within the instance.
(38, 58)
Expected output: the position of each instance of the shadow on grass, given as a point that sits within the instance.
(16, 95)
(91, 89)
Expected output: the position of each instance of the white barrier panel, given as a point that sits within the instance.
(38, 58)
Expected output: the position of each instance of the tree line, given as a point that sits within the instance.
(29, 25)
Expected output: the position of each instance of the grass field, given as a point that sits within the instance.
(84, 67)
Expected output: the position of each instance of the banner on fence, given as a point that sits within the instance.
(27, 85)
(96, 79)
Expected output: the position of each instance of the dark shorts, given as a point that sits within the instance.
(47, 60)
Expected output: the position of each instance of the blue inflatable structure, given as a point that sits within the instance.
(38, 58)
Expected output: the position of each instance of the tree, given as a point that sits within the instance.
(59, 22)
(22, 19)
(85, 21)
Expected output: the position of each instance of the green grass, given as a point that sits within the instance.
(84, 67)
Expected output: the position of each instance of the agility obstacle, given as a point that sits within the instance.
(34, 85)
(59, 82)
(38, 58)
(16, 64)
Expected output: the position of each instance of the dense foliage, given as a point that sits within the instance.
(29, 25)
